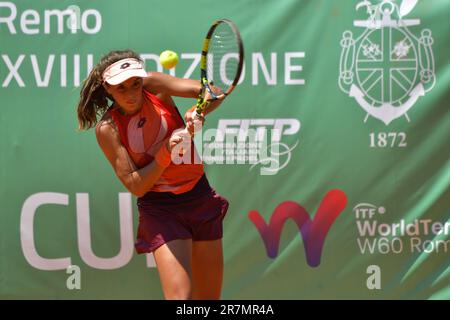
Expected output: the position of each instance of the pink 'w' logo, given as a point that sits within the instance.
(313, 231)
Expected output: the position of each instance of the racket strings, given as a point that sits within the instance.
(223, 57)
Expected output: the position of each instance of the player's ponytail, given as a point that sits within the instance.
(93, 96)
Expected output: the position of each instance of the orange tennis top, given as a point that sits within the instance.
(143, 135)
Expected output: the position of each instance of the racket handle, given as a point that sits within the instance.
(195, 118)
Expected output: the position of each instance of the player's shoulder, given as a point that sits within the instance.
(106, 126)
(157, 79)
(156, 84)
(154, 77)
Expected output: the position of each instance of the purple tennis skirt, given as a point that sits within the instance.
(165, 216)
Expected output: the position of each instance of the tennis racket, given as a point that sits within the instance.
(221, 63)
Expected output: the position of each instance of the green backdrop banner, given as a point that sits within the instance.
(333, 151)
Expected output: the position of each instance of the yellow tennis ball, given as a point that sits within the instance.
(168, 59)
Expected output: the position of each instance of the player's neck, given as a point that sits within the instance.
(126, 112)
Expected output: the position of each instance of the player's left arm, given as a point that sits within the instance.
(161, 83)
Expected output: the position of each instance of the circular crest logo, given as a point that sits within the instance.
(386, 68)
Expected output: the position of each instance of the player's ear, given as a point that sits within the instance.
(107, 87)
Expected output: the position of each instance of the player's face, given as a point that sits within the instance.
(127, 94)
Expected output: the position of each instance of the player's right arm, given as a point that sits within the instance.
(137, 181)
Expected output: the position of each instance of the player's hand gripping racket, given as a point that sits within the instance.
(220, 66)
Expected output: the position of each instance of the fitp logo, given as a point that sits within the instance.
(313, 231)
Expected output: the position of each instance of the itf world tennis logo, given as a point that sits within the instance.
(313, 232)
(387, 68)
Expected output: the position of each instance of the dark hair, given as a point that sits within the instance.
(93, 96)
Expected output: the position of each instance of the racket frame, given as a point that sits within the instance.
(202, 104)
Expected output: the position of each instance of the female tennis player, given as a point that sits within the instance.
(180, 215)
